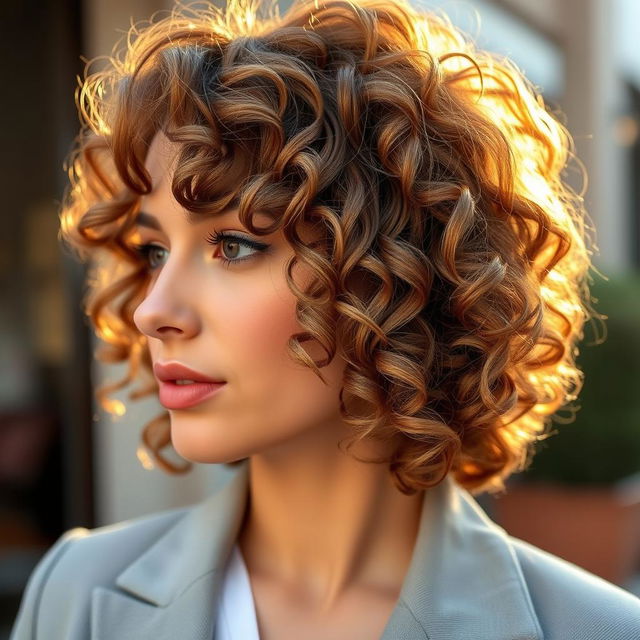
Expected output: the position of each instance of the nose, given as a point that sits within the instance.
(167, 310)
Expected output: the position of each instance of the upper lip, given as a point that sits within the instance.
(176, 371)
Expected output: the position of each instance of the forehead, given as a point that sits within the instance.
(163, 155)
(160, 163)
(160, 160)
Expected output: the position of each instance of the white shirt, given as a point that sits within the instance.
(236, 611)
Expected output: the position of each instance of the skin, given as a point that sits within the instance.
(327, 539)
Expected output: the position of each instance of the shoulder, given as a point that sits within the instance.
(59, 588)
(573, 603)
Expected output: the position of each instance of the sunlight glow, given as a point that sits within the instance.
(114, 407)
(145, 458)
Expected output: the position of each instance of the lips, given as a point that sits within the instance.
(172, 371)
(182, 396)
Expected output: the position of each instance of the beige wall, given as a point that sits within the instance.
(593, 99)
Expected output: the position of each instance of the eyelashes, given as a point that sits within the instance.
(217, 238)
(146, 251)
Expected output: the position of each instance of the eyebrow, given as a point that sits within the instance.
(144, 219)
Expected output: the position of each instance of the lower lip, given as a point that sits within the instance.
(181, 396)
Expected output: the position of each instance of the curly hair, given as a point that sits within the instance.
(452, 271)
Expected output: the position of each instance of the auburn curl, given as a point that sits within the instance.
(452, 271)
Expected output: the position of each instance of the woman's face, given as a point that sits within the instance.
(229, 322)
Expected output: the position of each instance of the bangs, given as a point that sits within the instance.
(236, 125)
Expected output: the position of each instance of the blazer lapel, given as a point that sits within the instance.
(171, 590)
(464, 579)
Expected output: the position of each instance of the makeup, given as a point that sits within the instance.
(182, 396)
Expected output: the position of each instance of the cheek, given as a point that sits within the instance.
(282, 390)
(260, 315)
(257, 325)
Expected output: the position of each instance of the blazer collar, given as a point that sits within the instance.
(464, 579)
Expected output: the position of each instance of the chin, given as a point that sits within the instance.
(198, 457)
(195, 451)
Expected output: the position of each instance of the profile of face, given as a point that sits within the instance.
(226, 311)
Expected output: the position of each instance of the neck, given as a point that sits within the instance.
(323, 523)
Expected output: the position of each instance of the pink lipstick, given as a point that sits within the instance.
(181, 396)
(182, 387)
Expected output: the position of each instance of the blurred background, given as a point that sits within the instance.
(65, 463)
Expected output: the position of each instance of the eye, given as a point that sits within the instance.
(234, 243)
(146, 253)
(149, 252)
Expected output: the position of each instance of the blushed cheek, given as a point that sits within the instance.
(269, 322)
(259, 320)
(264, 326)
(268, 317)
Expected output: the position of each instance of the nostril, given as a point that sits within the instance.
(167, 329)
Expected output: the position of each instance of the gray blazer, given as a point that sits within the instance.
(158, 577)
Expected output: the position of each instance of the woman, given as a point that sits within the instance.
(339, 242)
